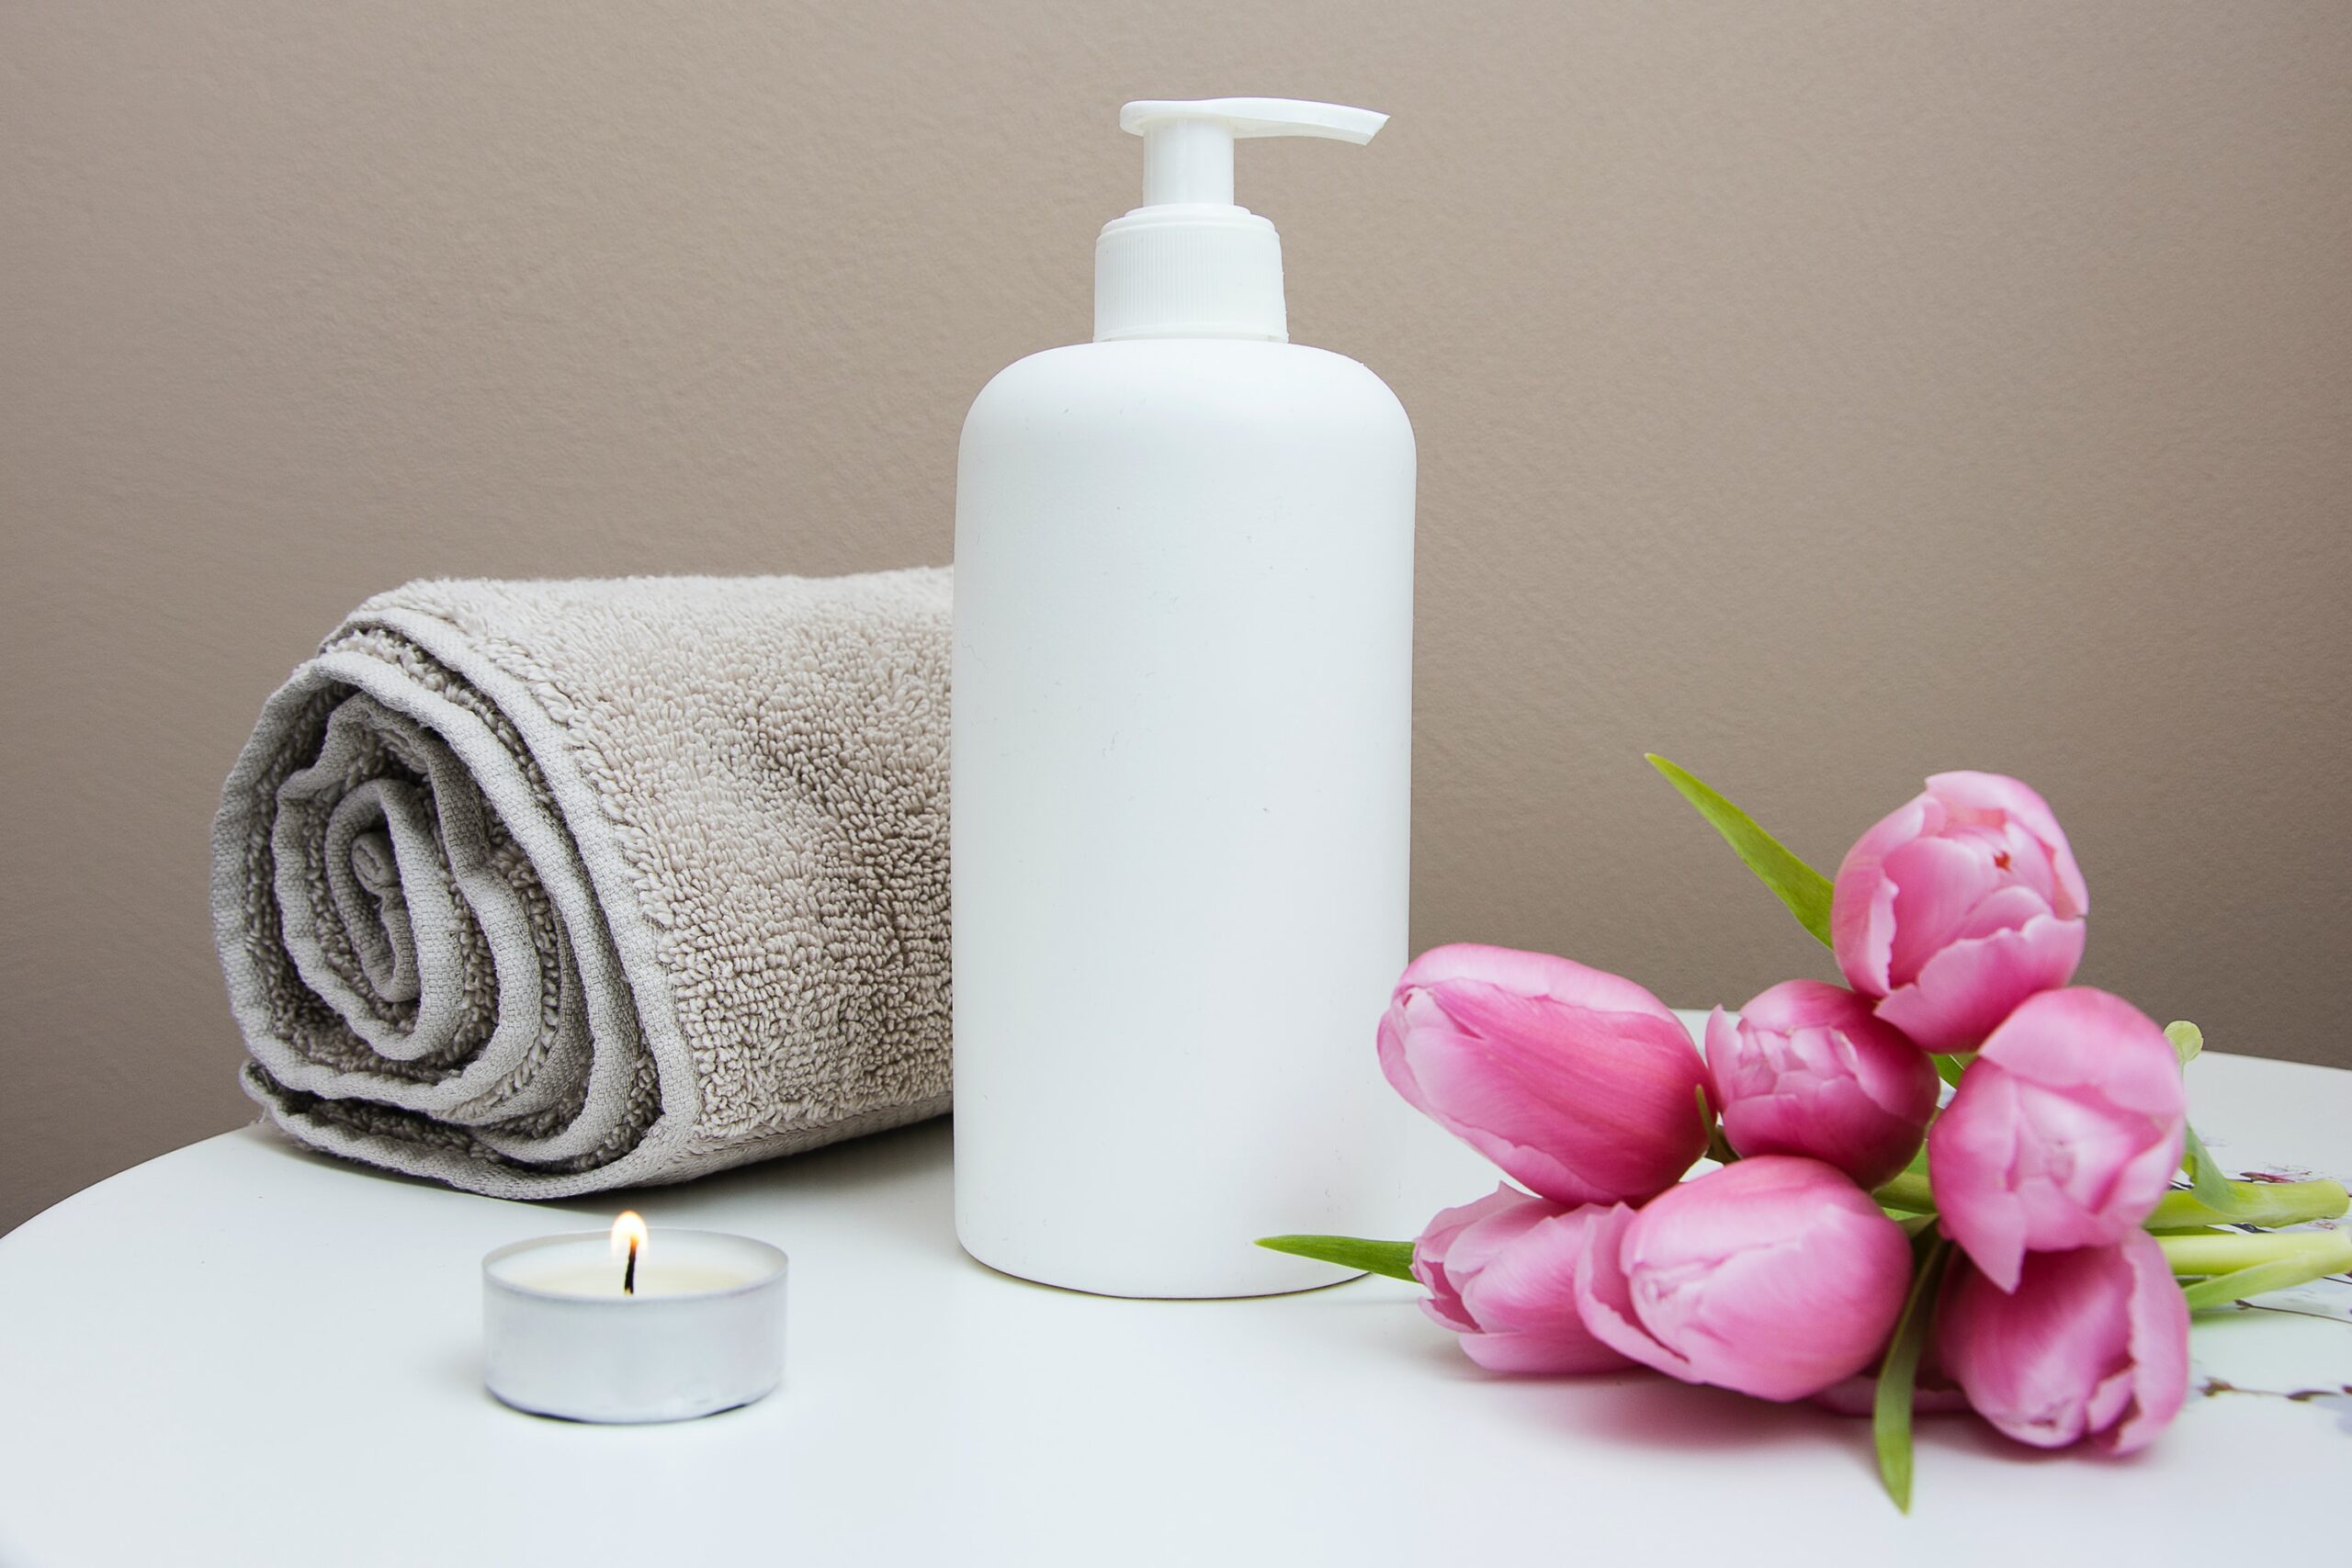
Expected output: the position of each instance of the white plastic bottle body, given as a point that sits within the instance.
(1181, 777)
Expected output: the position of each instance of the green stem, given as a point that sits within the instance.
(2227, 1252)
(1719, 1147)
(1908, 1192)
(2236, 1266)
(2264, 1203)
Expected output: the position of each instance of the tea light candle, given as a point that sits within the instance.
(627, 1328)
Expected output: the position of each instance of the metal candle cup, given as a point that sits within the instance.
(702, 1332)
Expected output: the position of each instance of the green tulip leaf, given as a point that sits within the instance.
(2280, 1274)
(1950, 1067)
(1898, 1374)
(2187, 1040)
(2230, 1202)
(1804, 890)
(1393, 1259)
(2236, 1265)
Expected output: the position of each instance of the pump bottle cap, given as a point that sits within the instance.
(1187, 262)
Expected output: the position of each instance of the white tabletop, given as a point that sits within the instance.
(245, 1354)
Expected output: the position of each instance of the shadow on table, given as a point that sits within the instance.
(1655, 1412)
(901, 1167)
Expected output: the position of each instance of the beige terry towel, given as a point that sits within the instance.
(542, 888)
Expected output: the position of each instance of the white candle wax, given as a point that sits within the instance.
(703, 1332)
(655, 1277)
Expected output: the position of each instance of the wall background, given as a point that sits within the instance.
(1822, 394)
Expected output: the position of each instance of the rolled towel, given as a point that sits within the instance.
(542, 888)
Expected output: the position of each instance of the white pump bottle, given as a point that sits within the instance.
(1182, 758)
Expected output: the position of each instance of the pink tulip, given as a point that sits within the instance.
(1809, 1070)
(2065, 1132)
(2091, 1344)
(1958, 907)
(1580, 1085)
(1776, 1276)
(1501, 1273)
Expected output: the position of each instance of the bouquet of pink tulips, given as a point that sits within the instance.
(2032, 1248)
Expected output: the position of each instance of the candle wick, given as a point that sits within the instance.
(628, 1275)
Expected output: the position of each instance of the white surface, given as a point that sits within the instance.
(1182, 777)
(241, 1354)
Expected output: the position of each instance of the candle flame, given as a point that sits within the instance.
(628, 1233)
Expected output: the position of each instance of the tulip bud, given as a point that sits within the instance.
(1959, 906)
(1582, 1085)
(1501, 1273)
(2064, 1133)
(1777, 1276)
(1809, 1070)
(2092, 1344)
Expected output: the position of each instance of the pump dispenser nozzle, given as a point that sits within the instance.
(1187, 262)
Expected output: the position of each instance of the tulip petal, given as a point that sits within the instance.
(2032, 1360)
(2093, 1345)
(1531, 974)
(1969, 1153)
(2064, 1135)
(1937, 884)
(1775, 1277)
(1525, 1298)
(1571, 1352)
(1965, 990)
(1974, 856)
(1506, 1216)
(1532, 1280)
(2003, 910)
(1809, 1070)
(1605, 1297)
(1581, 1106)
(1434, 1249)
(1862, 907)
(1447, 1224)
(2110, 1398)
(1394, 1065)
(1986, 794)
(2159, 1345)
(1721, 1037)
(1443, 1304)
(2085, 1171)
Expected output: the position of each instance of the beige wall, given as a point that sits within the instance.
(1818, 393)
